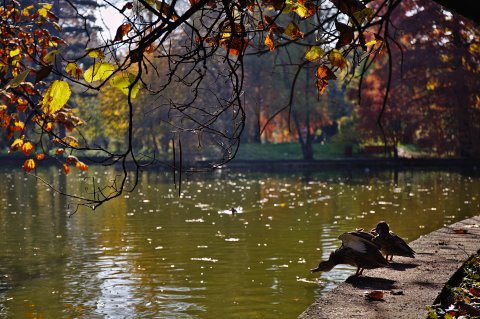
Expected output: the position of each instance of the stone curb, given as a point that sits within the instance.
(410, 285)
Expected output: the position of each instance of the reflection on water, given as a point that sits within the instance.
(234, 245)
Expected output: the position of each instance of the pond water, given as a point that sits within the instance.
(153, 254)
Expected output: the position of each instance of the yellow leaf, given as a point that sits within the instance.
(50, 56)
(26, 10)
(95, 53)
(47, 6)
(42, 12)
(73, 69)
(123, 82)
(432, 84)
(336, 59)
(56, 97)
(305, 10)
(370, 43)
(14, 52)
(314, 53)
(18, 143)
(100, 71)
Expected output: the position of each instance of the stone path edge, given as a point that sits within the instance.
(410, 285)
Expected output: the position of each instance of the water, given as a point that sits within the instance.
(152, 254)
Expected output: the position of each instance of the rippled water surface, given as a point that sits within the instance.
(153, 254)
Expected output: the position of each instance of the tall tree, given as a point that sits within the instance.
(433, 100)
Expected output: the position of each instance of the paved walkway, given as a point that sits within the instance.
(411, 285)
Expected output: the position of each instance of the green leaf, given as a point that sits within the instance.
(56, 97)
(314, 53)
(16, 81)
(123, 83)
(336, 59)
(100, 71)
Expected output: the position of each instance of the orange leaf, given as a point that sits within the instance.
(40, 156)
(122, 31)
(376, 295)
(66, 168)
(29, 165)
(325, 73)
(27, 148)
(81, 166)
(269, 41)
(18, 143)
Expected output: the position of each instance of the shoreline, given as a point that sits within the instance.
(411, 284)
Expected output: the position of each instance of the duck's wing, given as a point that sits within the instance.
(362, 234)
(361, 252)
(357, 243)
(402, 246)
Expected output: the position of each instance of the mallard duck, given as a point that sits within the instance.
(355, 251)
(390, 244)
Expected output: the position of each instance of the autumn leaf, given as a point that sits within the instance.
(56, 97)
(71, 141)
(95, 53)
(304, 11)
(18, 143)
(324, 74)
(73, 70)
(346, 34)
(66, 168)
(336, 59)
(29, 165)
(376, 295)
(81, 166)
(292, 31)
(122, 31)
(42, 73)
(124, 82)
(14, 53)
(235, 45)
(128, 5)
(40, 156)
(269, 41)
(100, 71)
(27, 148)
(16, 81)
(432, 84)
(166, 10)
(314, 53)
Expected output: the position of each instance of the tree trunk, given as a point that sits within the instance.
(307, 142)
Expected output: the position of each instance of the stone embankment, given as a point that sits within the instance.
(410, 285)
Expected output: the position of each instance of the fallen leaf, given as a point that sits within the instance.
(376, 295)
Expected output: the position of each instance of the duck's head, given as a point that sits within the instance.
(382, 228)
(326, 265)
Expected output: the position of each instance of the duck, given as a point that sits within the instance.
(389, 243)
(355, 251)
